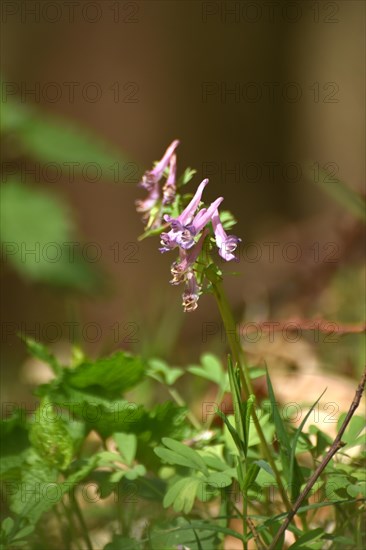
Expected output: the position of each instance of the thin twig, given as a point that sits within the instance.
(256, 537)
(337, 444)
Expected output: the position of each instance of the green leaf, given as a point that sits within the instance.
(352, 434)
(219, 478)
(357, 490)
(202, 528)
(50, 437)
(279, 425)
(127, 445)
(115, 374)
(38, 479)
(227, 219)
(7, 525)
(15, 445)
(246, 415)
(214, 462)
(182, 494)
(343, 194)
(189, 456)
(296, 478)
(41, 352)
(211, 369)
(344, 542)
(256, 372)
(234, 434)
(137, 471)
(36, 233)
(266, 467)
(160, 371)
(23, 533)
(52, 139)
(235, 387)
(121, 542)
(267, 428)
(180, 532)
(310, 536)
(187, 176)
(40, 488)
(250, 477)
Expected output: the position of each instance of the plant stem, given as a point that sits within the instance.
(238, 356)
(76, 508)
(180, 401)
(336, 445)
(73, 531)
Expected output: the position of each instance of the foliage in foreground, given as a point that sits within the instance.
(89, 459)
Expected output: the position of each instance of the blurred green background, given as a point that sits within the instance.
(267, 99)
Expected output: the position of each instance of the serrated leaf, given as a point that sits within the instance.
(50, 437)
(38, 479)
(115, 374)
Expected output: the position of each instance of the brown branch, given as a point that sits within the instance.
(337, 444)
(255, 534)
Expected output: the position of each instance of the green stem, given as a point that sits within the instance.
(73, 530)
(180, 401)
(219, 397)
(76, 508)
(238, 356)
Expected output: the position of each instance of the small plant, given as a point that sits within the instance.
(93, 462)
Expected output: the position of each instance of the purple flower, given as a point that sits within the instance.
(181, 267)
(145, 206)
(169, 188)
(226, 244)
(192, 293)
(152, 177)
(150, 182)
(187, 225)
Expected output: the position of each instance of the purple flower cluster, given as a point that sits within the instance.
(150, 182)
(188, 230)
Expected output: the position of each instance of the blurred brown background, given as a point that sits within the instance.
(257, 92)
